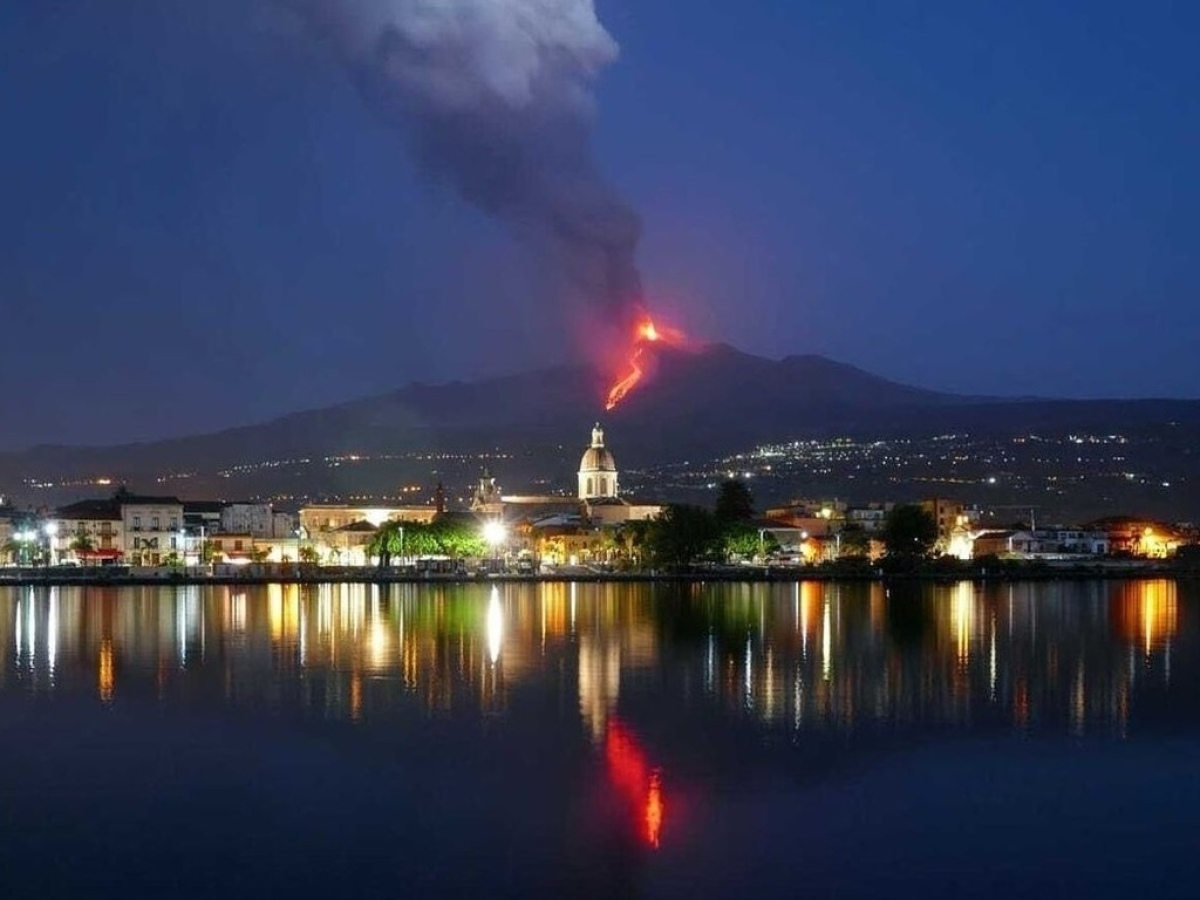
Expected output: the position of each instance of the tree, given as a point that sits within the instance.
(459, 535)
(909, 531)
(741, 539)
(682, 534)
(388, 541)
(307, 554)
(81, 544)
(734, 502)
(853, 540)
(632, 537)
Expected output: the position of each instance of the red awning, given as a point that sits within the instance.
(103, 553)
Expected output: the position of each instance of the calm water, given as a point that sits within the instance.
(600, 741)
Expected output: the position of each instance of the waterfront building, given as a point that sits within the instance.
(283, 524)
(947, 513)
(153, 528)
(1139, 536)
(257, 519)
(201, 517)
(228, 547)
(8, 528)
(320, 518)
(869, 516)
(89, 532)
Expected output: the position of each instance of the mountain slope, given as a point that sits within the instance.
(693, 404)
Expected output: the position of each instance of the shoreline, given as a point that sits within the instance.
(293, 575)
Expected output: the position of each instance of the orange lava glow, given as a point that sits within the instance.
(638, 784)
(647, 331)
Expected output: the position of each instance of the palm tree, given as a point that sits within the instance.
(81, 544)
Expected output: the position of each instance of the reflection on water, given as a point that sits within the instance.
(801, 657)
(583, 738)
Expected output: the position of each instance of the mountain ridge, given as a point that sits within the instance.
(695, 404)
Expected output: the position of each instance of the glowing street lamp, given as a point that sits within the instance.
(24, 538)
(494, 533)
(51, 529)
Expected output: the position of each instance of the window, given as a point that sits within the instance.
(173, 524)
(137, 523)
(155, 523)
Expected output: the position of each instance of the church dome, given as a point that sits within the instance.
(597, 470)
(597, 459)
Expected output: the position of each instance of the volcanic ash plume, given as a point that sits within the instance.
(496, 97)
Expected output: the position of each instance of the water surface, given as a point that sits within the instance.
(597, 740)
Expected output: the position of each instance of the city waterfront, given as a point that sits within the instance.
(601, 739)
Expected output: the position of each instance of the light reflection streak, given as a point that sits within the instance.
(963, 620)
(495, 626)
(367, 654)
(52, 633)
(106, 674)
(826, 641)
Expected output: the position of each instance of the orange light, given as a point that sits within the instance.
(624, 385)
(647, 331)
(654, 810)
(633, 778)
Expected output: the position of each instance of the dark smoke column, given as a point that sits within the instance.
(496, 98)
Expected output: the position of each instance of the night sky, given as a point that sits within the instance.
(204, 222)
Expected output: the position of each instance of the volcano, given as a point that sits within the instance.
(693, 403)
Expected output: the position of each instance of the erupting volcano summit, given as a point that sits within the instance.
(645, 332)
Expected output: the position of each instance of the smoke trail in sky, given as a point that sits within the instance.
(495, 96)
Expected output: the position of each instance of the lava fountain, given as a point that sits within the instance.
(646, 332)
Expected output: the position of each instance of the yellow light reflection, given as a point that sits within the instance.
(106, 676)
(1147, 614)
(495, 626)
(962, 619)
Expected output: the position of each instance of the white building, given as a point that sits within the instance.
(256, 519)
(153, 528)
(88, 532)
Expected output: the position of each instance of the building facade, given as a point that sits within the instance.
(88, 532)
(153, 528)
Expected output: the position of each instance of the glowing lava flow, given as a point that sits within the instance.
(640, 785)
(646, 332)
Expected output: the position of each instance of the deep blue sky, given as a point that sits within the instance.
(203, 224)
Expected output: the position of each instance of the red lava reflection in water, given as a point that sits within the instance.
(639, 785)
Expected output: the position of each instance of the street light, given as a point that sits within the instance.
(25, 538)
(494, 533)
(51, 529)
